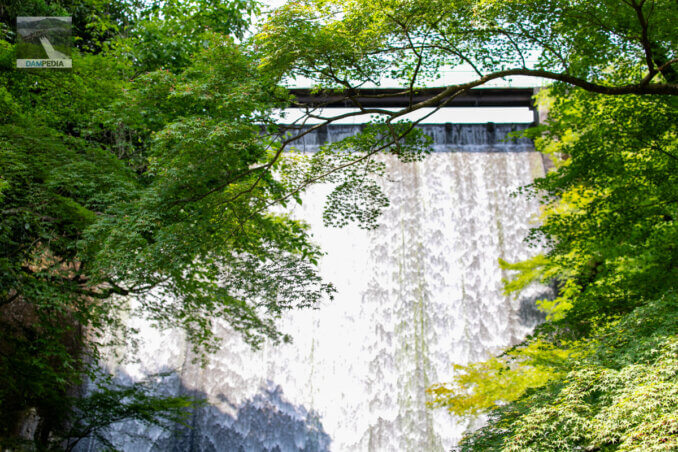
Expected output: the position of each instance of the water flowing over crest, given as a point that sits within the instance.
(417, 294)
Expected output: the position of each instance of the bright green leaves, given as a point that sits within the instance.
(529, 271)
(168, 34)
(486, 385)
(601, 372)
(317, 43)
(614, 213)
(142, 172)
(342, 44)
(619, 395)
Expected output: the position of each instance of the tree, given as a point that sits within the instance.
(151, 169)
(612, 47)
(599, 374)
(344, 45)
(130, 176)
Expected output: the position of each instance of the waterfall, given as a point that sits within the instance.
(421, 292)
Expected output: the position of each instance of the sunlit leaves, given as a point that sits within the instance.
(142, 172)
(339, 43)
(609, 219)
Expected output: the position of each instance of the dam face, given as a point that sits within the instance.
(418, 294)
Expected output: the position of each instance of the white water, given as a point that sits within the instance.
(414, 296)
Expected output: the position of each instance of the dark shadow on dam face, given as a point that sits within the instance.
(264, 423)
(529, 313)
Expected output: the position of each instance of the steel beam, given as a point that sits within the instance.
(392, 98)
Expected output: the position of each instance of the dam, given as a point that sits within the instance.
(418, 294)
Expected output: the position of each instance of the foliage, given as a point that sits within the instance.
(344, 45)
(609, 219)
(166, 34)
(622, 396)
(487, 385)
(95, 413)
(142, 172)
(154, 169)
(609, 209)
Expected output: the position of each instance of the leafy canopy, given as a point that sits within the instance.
(600, 373)
(144, 172)
(609, 219)
(153, 170)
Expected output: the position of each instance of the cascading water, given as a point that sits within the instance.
(421, 292)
